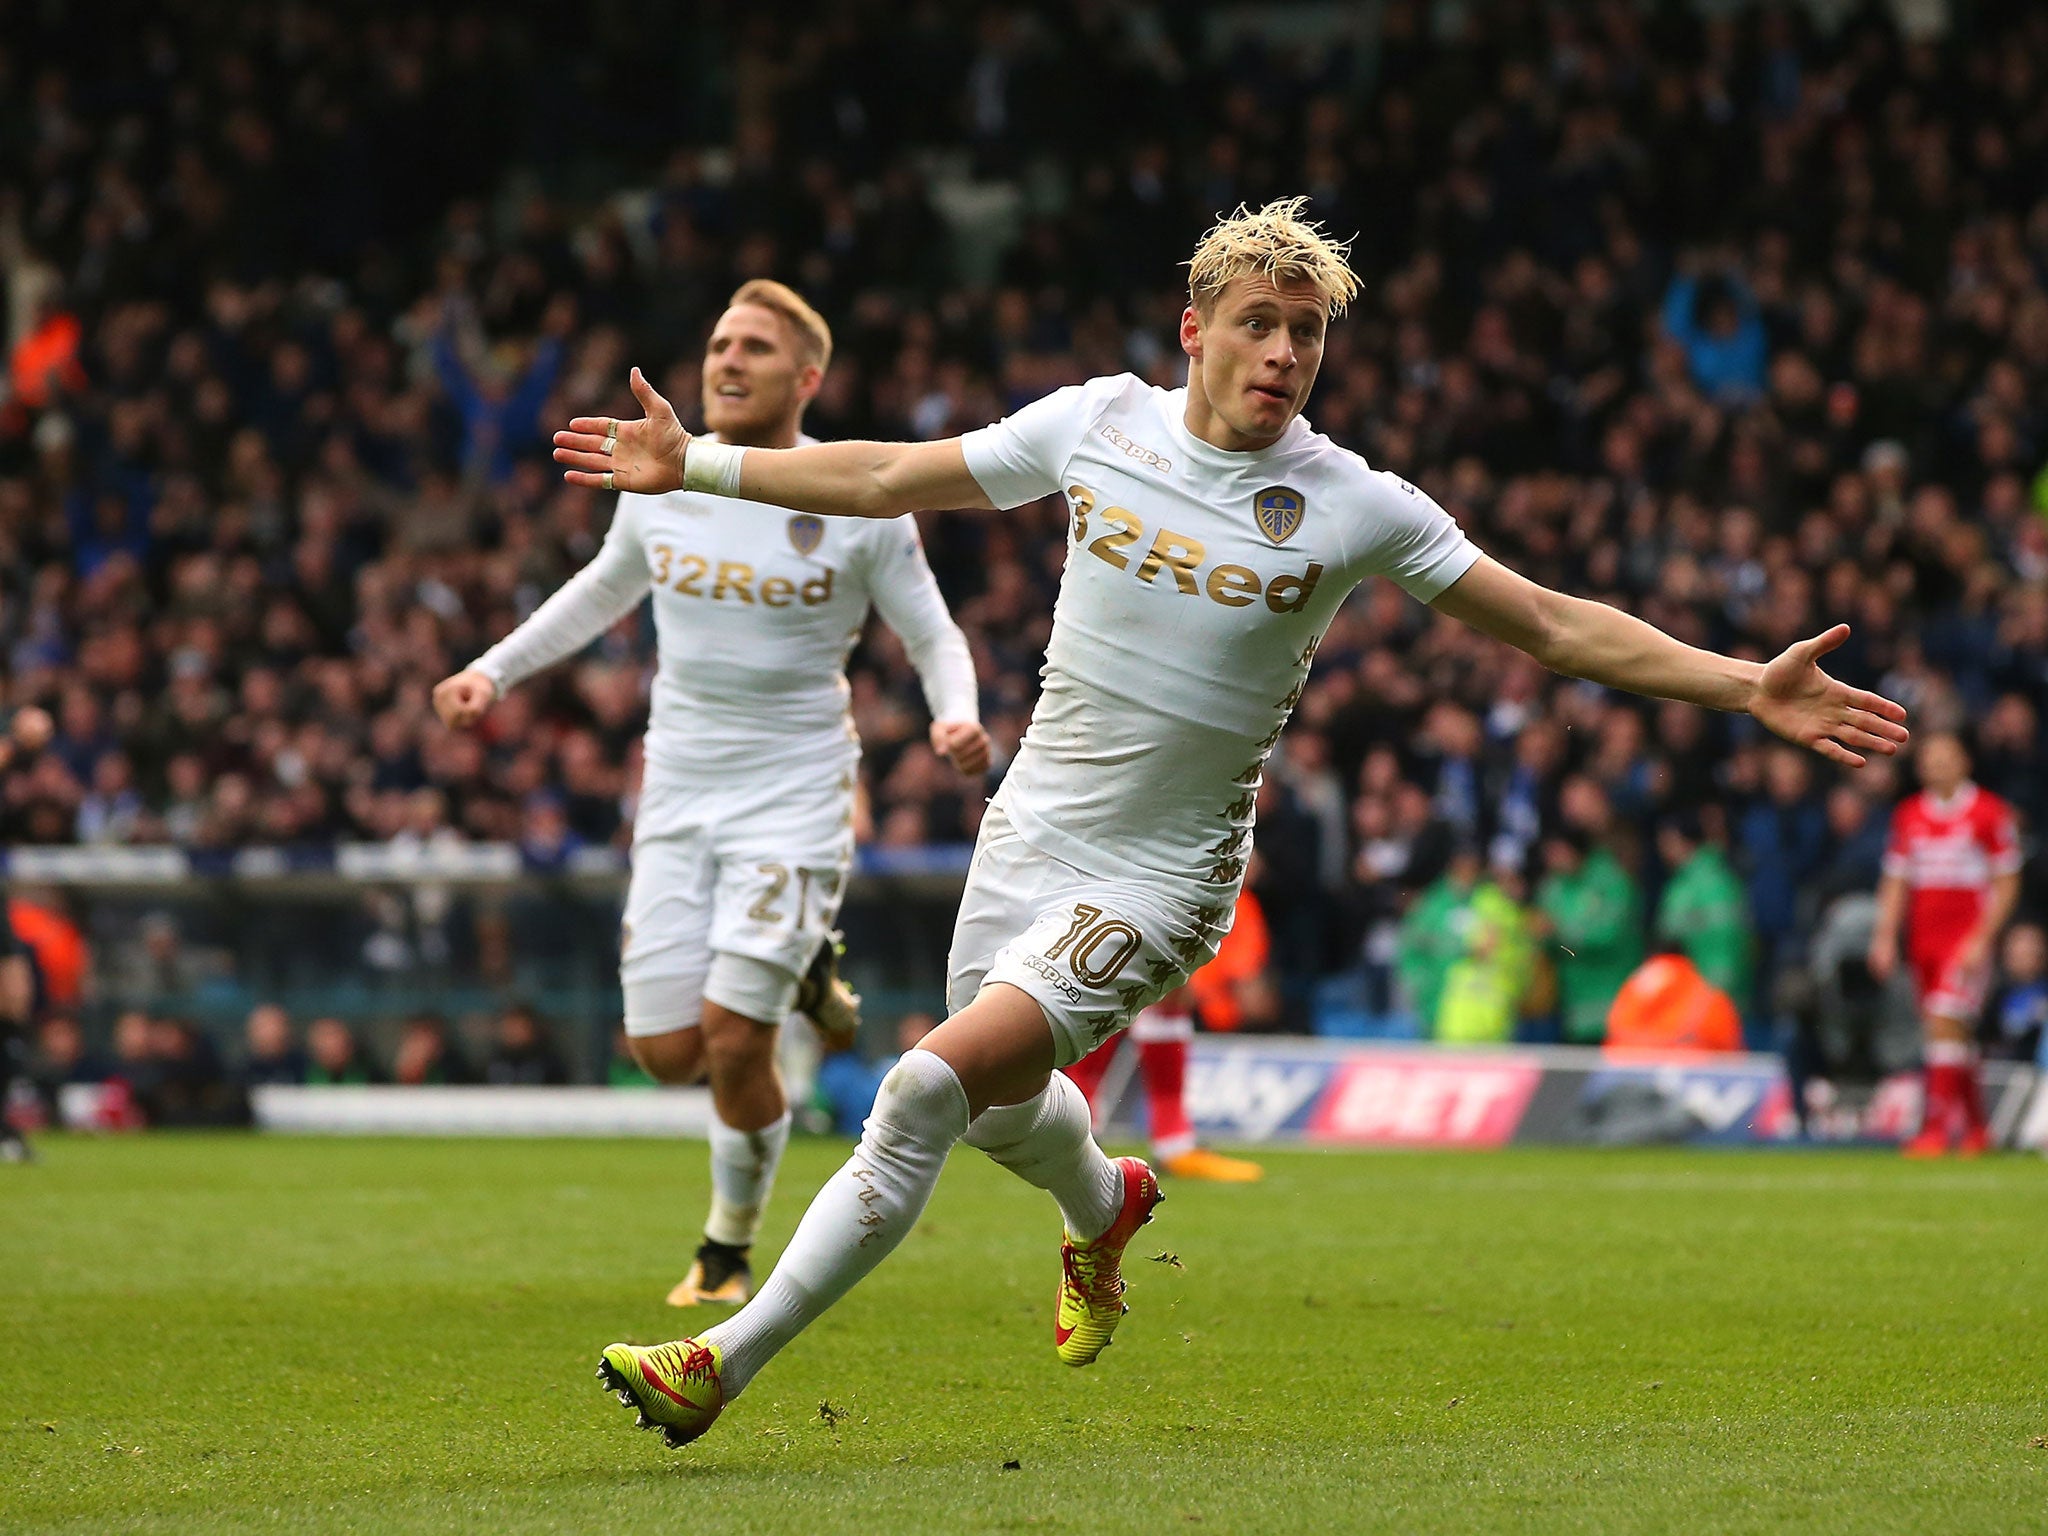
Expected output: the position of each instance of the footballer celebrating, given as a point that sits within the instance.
(1951, 879)
(744, 835)
(1211, 537)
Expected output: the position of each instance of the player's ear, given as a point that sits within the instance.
(809, 380)
(1191, 332)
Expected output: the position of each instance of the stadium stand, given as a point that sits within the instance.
(292, 293)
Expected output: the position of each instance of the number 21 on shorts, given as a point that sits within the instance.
(767, 906)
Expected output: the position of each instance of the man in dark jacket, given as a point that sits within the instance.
(17, 1011)
(523, 1056)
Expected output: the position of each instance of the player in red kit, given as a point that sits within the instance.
(1951, 877)
(1164, 1034)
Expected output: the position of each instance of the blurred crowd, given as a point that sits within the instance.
(1733, 322)
(164, 1070)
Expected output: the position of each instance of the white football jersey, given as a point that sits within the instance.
(755, 611)
(1198, 584)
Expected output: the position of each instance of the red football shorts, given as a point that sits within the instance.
(1945, 989)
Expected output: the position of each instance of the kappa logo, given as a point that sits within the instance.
(1278, 510)
(1059, 983)
(1137, 451)
(806, 531)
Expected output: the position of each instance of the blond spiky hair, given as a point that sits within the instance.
(813, 335)
(1277, 243)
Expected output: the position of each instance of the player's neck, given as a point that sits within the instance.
(781, 434)
(1206, 424)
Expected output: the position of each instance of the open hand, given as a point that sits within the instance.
(607, 454)
(965, 742)
(464, 699)
(1803, 704)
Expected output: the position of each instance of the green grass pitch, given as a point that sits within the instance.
(228, 1334)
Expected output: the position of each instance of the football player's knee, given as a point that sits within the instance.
(920, 1101)
(1001, 1129)
(1019, 1136)
(736, 1046)
(755, 989)
(674, 1057)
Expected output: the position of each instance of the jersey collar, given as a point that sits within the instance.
(1958, 803)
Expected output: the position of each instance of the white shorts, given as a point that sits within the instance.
(734, 888)
(1091, 952)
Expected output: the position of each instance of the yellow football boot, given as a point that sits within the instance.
(1212, 1167)
(719, 1275)
(1091, 1298)
(675, 1386)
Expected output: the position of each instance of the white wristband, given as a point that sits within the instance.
(712, 467)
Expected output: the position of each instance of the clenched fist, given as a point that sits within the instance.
(965, 742)
(464, 699)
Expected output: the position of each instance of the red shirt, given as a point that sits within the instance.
(1667, 1005)
(1948, 853)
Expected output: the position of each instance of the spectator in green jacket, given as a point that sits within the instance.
(1431, 939)
(427, 1055)
(334, 1058)
(1704, 910)
(1483, 992)
(1592, 912)
(1464, 954)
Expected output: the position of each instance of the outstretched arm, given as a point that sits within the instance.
(907, 596)
(1678, 301)
(455, 380)
(584, 607)
(1791, 695)
(655, 454)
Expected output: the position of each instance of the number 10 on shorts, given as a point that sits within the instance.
(1096, 948)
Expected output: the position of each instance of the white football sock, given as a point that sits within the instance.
(858, 1218)
(743, 1165)
(1047, 1141)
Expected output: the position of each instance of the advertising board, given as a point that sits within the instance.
(1248, 1089)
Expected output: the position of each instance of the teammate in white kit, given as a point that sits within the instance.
(1212, 536)
(744, 834)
